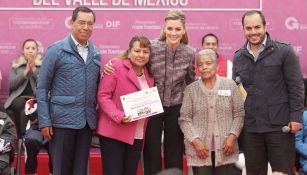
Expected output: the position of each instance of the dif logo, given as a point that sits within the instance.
(292, 23)
(112, 24)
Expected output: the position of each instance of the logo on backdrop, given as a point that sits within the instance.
(67, 22)
(293, 23)
(40, 47)
(146, 25)
(298, 49)
(112, 24)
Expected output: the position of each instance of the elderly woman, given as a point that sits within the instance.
(211, 119)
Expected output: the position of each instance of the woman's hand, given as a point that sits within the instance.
(201, 149)
(229, 144)
(126, 119)
(27, 70)
(30, 65)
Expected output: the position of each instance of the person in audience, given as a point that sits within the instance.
(22, 82)
(121, 140)
(301, 138)
(66, 95)
(8, 137)
(211, 119)
(34, 140)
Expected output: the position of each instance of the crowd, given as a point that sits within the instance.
(205, 115)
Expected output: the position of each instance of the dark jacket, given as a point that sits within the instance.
(7, 132)
(274, 85)
(67, 87)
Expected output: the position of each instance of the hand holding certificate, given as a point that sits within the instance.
(142, 104)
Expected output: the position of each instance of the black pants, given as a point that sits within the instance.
(19, 117)
(274, 147)
(34, 141)
(213, 170)
(119, 158)
(69, 150)
(172, 144)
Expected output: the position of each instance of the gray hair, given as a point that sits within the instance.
(207, 52)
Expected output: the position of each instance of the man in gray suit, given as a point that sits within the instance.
(270, 73)
(66, 95)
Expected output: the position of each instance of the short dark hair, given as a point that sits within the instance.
(29, 40)
(209, 34)
(144, 43)
(82, 9)
(251, 12)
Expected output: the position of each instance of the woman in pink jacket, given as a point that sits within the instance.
(121, 140)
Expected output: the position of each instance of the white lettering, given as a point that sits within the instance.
(119, 3)
(292, 23)
(78, 1)
(46, 2)
(112, 24)
(184, 2)
(139, 2)
(86, 2)
(116, 2)
(161, 3)
(150, 3)
(94, 3)
(37, 2)
(67, 2)
(174, 2)
(298, 49)
(125, 3)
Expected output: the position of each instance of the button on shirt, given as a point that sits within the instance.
(83, 51)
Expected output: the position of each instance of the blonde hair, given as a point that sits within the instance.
(175, 15)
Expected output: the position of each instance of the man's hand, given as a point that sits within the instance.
(295, 126)
(47, 132)
(201, 149)
(108, 68)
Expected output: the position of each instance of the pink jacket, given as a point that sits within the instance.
(123, 81)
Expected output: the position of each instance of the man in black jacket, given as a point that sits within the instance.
(270, 73)
(8, 139)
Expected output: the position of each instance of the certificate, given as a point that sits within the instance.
(142, 104)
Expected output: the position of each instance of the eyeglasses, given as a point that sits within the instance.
(84, 24)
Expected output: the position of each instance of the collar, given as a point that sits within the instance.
(262, 45)
(77, 43)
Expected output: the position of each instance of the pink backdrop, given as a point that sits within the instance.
(119, 20)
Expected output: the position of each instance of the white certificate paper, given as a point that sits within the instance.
(142, 104)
